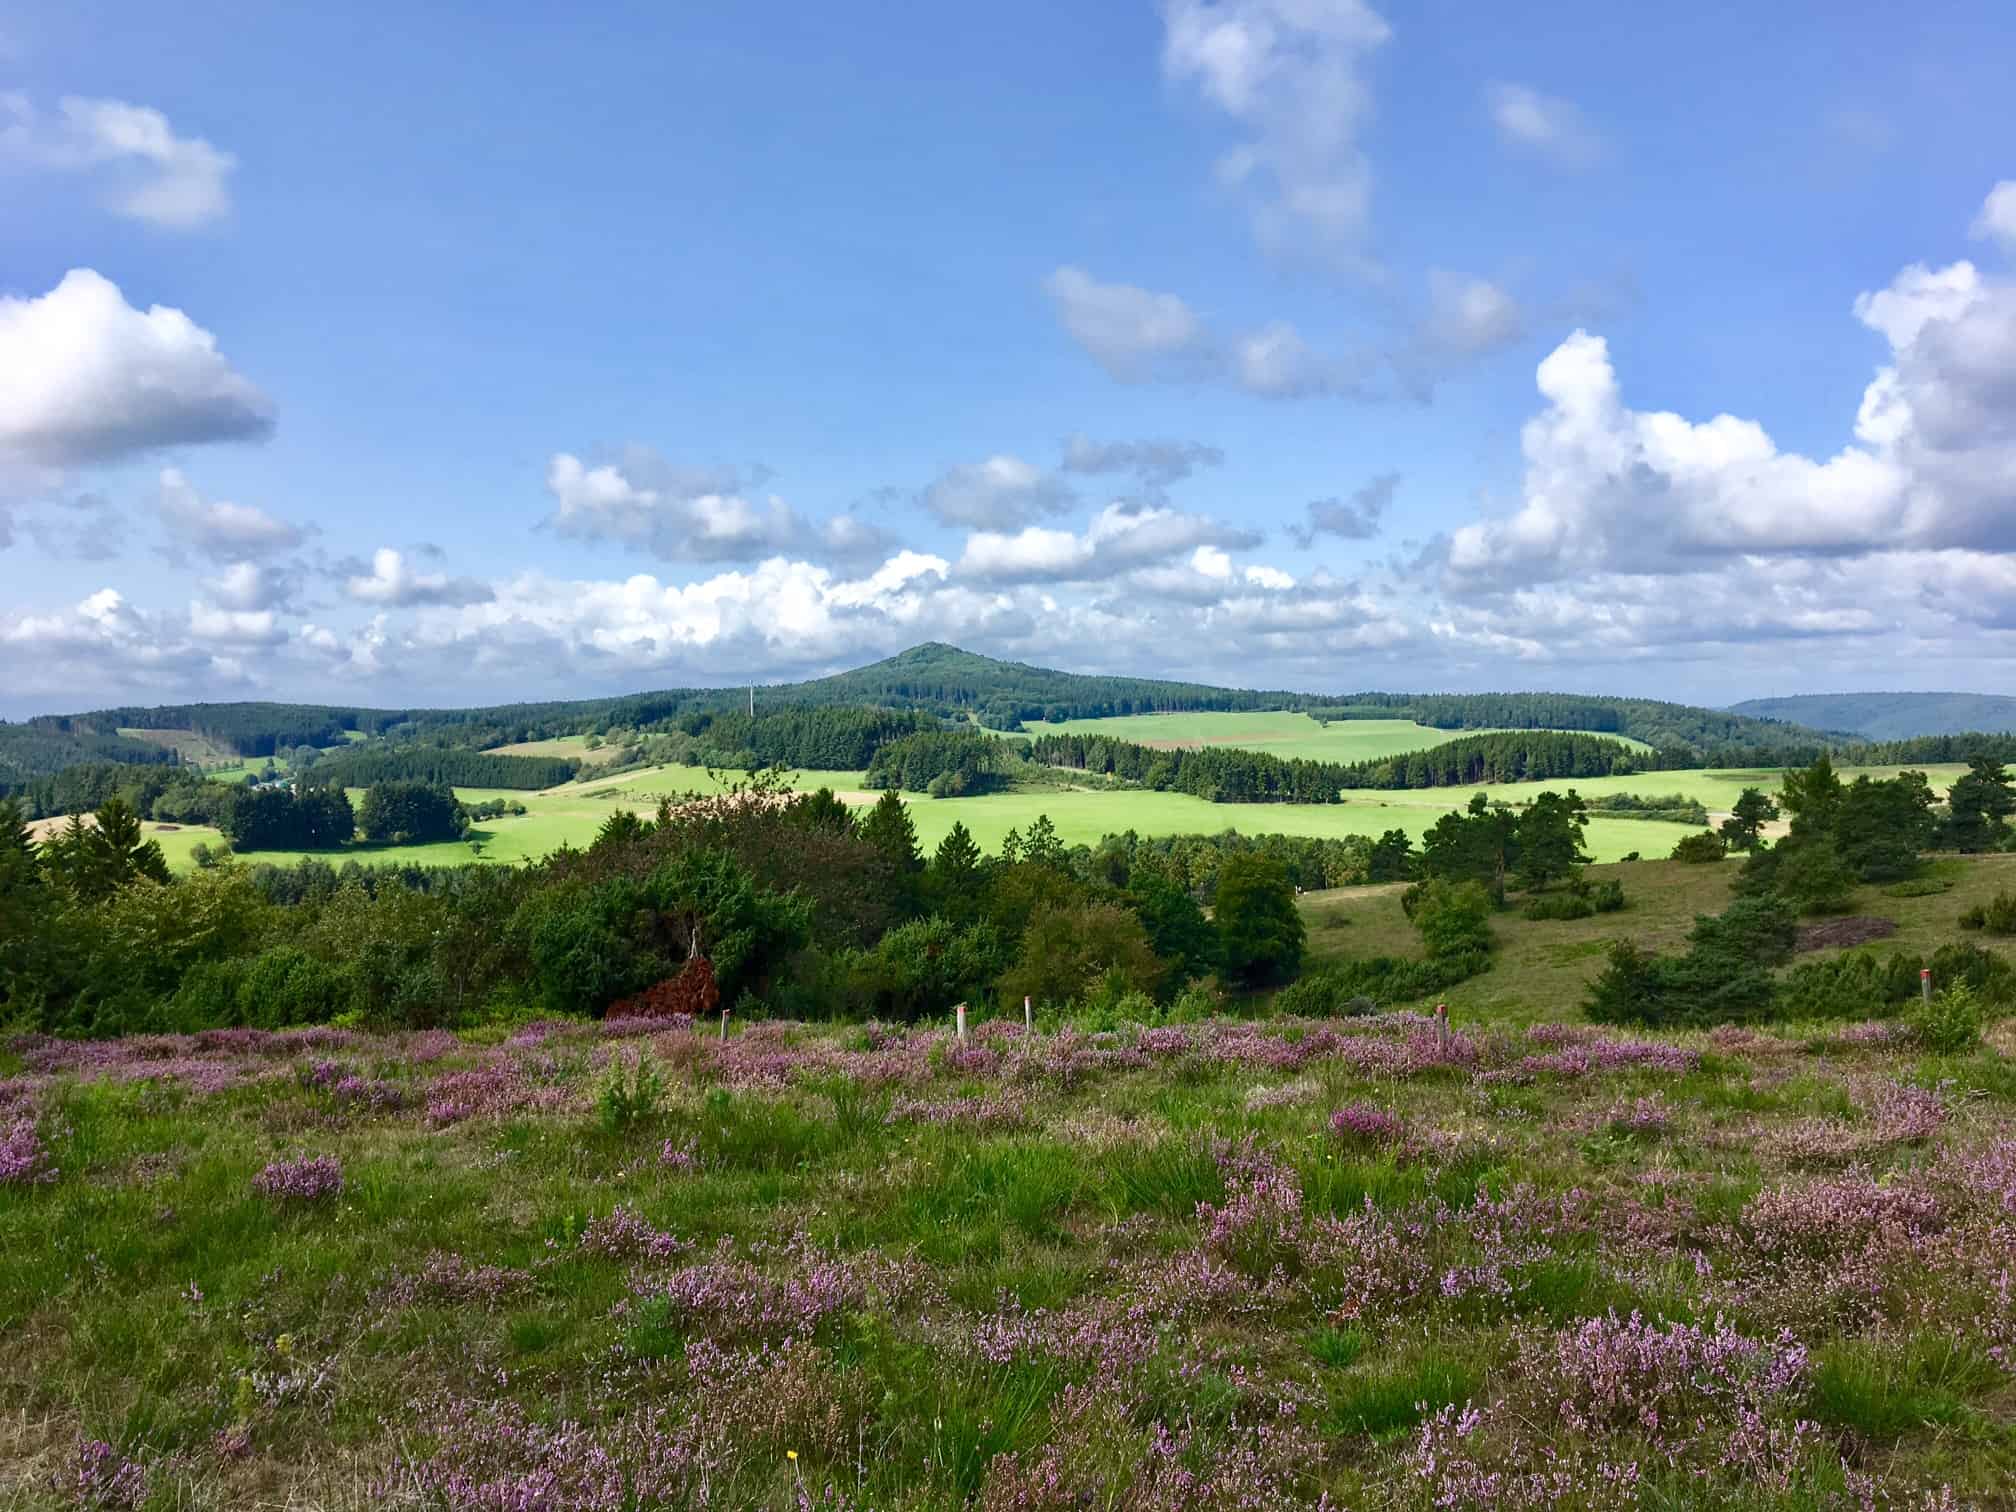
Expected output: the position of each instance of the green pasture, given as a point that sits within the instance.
(1287, 735)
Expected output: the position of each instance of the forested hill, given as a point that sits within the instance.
(929, 680)
(1889, 716)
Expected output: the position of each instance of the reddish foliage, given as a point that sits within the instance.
(690, 994)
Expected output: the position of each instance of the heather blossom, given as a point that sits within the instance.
(102, 1479)
(24, 1159)
(310, 1179)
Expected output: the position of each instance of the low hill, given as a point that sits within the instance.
(1888, 716)
(934, 679)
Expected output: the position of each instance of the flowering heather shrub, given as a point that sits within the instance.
(311, 1179)
(1595, 1055)
(1368, 1265)
(1363, 1124)
(501, 1086)
(624, 1235)
(1259, 1225)
(1906, 1115)
(1640, 1118)
(1673, 1384)
(1828, 1219)
(100, 1478)
(24, 1159)
(1001, 1110)
(735, 1299)
(1818, 1143)
(684, 1158)
(446, 1280)
(369, 1095)
(491, 1456)
(428, 1046)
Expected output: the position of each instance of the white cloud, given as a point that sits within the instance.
(1001, 492)
(676, 513)
(85, 377)
(1118, 539)
(1135, 334)
(1469, 316)
(1536, 122)
(248, 585)
(174, 182)
(1155, 465)
(1291, 73)
(217, 529)
(101, 646)
(1997, 220)
(393, 583)
(240, 627)
(1142, 337)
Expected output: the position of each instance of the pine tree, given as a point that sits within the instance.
(1744, 828)
(955, 880)
(889, 829)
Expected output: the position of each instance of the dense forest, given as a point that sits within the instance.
(1218, 774)
(1889, 716)
(839, 739)
(363, 765)
(1665, 726)
(41, 748)
(1517, 756)
(943, 763)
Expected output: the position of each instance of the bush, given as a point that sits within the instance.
(1700, 849)
(1985, 974)
(1562, 905)
(1997, 916)
(1950, 1022)
(1672, 992)
(1260, 930)
(1858, 984)
(626, 1101)
(1350, 988)
(1068, 951)
(1454, 917)
(1758, 931)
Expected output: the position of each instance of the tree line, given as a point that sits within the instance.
(364, 765)
(1218, 774)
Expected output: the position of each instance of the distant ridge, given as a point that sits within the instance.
(1889, 716)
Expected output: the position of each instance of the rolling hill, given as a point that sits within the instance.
(1888, 716)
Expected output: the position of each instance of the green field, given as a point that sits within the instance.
(570, 814)
(567, 747)
(1287, 735)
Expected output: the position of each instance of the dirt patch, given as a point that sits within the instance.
(1834, 934)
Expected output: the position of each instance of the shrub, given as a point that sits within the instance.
(1068, 951)
(1562, 905)
(1700, 849)
(1950, 1022)
(1348, 988)
(1759, 931)
(1858, 984)
(308, 1180)
(1260, 930)
(1701, 987)
(1454, 918)
(1997, 916)
(1985, 974)
(626, 1101)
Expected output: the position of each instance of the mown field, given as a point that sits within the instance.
(1234, 1263)
(1288, 735)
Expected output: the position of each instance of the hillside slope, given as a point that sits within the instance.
(1888, 716)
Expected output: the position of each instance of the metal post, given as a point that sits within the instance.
(961, 1011)
(1442, 1026)
(1028, 1017)
(724, 1026)
(1925, 984)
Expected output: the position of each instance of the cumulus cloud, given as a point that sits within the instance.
(1001, 492)
(85, 377)
(1355, 519)
(1543, 124)
(1154, 465)
(1135, 334)
(1118, 539)
(1468, 316)
(248, 585)
(1997, 220)
(679, 513)
(218, 529)
(1291, 74)
(85, 527)
(393, 583)
(103, 642)
(150, 173)
(1143, 337)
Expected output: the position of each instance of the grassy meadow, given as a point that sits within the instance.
(570, 814)
(1230, 1263)
(1287, 735)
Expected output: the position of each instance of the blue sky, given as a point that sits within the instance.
(499, 352)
